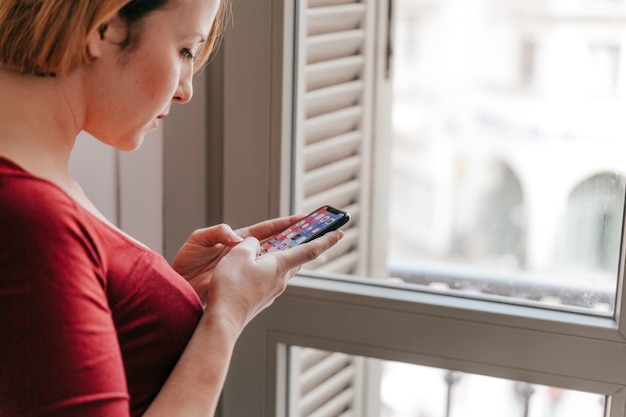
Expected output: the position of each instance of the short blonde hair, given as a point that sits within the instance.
(49, 36)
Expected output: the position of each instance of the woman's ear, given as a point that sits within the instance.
(111, 31)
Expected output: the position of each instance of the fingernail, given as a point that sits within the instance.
(235, 239)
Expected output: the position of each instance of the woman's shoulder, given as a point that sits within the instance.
(38, 218)
(26, 198)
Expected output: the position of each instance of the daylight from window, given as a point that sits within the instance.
(332, 384)
(508, 149)
(420, 391)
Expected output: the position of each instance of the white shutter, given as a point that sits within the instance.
(325, 384)
(333, 116)
(333, 99)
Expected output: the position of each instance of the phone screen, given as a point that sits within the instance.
(314, 225)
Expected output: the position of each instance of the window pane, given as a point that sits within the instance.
(508, 176)
(331, 384)
(411, 390)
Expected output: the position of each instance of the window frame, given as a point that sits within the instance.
(537, 345)
(388, 323)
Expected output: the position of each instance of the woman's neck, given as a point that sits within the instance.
(40, 118)
(39, 121)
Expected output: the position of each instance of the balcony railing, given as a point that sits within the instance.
(510, 287)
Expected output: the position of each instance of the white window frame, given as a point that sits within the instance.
(542, 346)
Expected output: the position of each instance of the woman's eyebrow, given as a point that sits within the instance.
(203, 37)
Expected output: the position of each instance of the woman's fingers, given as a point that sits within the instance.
(268, 228)
(301, 254)
(210, 236)
(244, 283)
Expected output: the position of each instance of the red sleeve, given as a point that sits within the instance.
(58, 344)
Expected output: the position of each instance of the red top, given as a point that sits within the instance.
(91, 323)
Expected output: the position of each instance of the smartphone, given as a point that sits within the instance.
(316, 224)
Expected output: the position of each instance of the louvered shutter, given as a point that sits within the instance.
(333, 120)
(332, 163)
(326, 384)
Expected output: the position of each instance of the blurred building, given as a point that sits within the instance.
(510, 136)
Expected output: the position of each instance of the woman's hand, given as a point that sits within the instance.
(244, 283)
(239, 284)
(198, 257)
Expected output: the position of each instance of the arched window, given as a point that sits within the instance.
(591, 235)
(499, 228)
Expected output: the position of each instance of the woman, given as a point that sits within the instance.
(92, 322)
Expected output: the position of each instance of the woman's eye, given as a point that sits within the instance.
(187, 54)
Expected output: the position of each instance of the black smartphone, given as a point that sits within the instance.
(316, 224)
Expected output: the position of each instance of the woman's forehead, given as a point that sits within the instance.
(195, 16)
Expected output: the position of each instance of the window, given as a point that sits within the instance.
(412, 390)
(428, 323)
(489, 163)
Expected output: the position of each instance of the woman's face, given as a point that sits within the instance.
(128, 90)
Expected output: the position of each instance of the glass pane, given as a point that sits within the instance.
(331, 384)
(508, 175)
(411, 390)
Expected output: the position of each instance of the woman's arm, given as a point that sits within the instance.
(241, 286)
(194, 386)
(58, 343)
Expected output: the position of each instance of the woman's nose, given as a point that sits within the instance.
(184, 92)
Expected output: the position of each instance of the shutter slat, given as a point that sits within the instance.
(337, 97)
(335, 45)
(327, 151)
(323, 370)
(336, 405)
(326, 393)
(339, 196)
(346, 264)
(342, 171)
(333, 124)
(336, 71)
(334, 18)
(309, 357)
